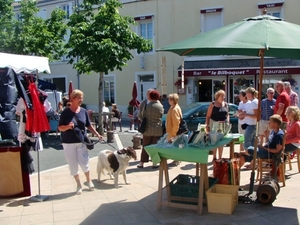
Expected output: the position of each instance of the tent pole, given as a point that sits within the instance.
(261, 74)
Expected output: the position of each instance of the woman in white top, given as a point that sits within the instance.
(242, 107)
(250, 114)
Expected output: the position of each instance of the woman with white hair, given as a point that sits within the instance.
(294, 99)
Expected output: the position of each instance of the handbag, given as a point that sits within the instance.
(183, 127)
(86, 140)
(89, 143)
(244, 126)
(142, 127)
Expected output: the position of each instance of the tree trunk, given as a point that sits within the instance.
(100, 102)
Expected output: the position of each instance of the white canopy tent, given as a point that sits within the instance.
(24, 63)
(27, 64)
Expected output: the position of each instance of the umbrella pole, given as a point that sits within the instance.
(261, 54)
(133, 109)
(131, 128)
(38, 197)
(248, 198)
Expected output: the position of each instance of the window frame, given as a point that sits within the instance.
(271, 8)
(110, 79)
(147, 19)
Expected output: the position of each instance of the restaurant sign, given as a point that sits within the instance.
(239, 72)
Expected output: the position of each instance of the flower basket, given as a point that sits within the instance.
(240, 81)
(178, 83)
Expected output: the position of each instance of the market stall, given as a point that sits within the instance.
(17, 167)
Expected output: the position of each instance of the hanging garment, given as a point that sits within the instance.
(20, 109)
(22, 86)
(36, 119)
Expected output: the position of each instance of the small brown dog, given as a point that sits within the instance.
(115, 162)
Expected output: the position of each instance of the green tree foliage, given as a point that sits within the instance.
(102, 40)
(32, 35)
(6, 23)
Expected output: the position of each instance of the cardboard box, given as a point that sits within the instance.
(222, 198)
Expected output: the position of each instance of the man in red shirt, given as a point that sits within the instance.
(282, 102)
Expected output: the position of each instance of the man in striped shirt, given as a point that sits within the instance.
(266, 112)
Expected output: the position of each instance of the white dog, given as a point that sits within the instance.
(115, 162)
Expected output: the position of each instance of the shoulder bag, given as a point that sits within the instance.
(87, 141)
(142, 127)
(183, 128)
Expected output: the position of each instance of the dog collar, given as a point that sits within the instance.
(120, 151)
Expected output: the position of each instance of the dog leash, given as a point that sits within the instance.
(105, 142)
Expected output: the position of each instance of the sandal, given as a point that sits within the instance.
(175, 162)
(249, 167)
(154, 166)
(245, 153)
(140, 166)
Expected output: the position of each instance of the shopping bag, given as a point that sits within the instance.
(227, 171)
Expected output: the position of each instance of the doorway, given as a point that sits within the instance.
(146, 82)
(208, 88)
(204, 87)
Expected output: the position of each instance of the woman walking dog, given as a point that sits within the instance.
(73, 123)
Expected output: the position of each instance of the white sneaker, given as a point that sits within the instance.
(79, 190)
(91, 186)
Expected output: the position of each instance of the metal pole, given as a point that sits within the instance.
(261, 54)
(38, 165)
(78, 74)
(38, 197)
(77, 57)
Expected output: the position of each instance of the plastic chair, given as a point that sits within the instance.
(115, 121)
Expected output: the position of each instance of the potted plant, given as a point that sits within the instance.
(178, 83)
(240, 81)
(130, 109)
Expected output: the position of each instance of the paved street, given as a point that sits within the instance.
(53, 155)
(135, 203)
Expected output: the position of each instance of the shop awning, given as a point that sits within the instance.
(238, 67)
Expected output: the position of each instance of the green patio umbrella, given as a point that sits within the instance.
(274, 35)
(256, 36)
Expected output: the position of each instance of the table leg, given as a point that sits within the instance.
(160, 184)
(197, 169)
(203, 186)
(165, 165)
(231, 149)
